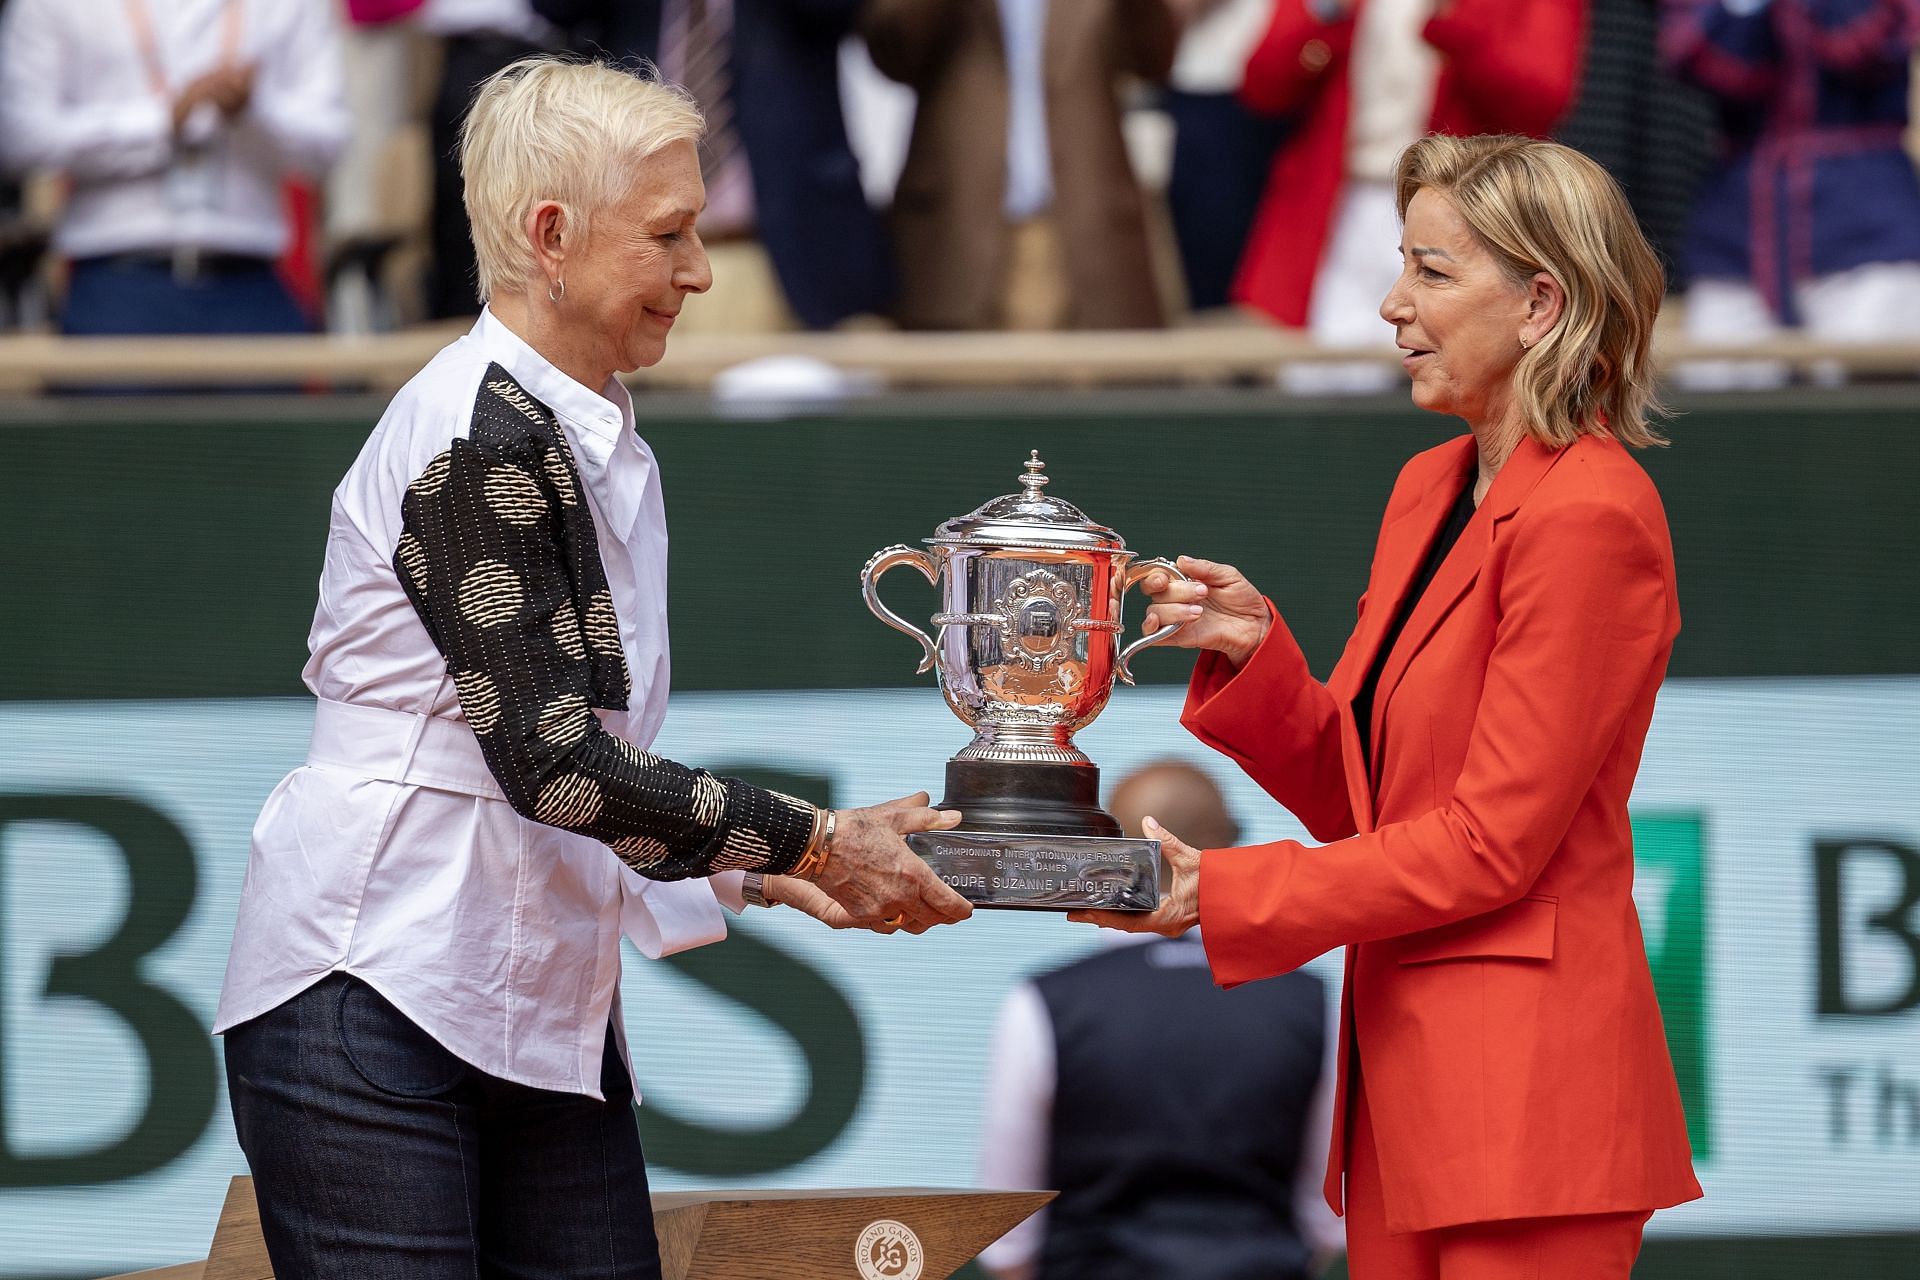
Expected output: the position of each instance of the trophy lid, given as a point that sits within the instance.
(1028, 519)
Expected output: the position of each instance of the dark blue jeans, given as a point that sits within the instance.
(124, 296)
(378, 1155)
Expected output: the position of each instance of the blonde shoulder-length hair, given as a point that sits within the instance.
(1539, 206)
(550, 128)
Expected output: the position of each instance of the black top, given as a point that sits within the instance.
(1436, 556)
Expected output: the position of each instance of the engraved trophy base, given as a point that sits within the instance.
(1029, 798)
(1035, 838)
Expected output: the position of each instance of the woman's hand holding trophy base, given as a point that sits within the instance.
(1179, 908)
(1223, 612)
(872, 880)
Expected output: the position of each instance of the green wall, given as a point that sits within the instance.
(175, 554)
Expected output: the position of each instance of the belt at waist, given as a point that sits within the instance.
(399, 746)
(206, 262)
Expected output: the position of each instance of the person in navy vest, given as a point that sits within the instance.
(1184, 1126)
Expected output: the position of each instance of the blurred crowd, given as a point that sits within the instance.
(268, 166)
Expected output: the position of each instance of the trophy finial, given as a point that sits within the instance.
(1036, 478)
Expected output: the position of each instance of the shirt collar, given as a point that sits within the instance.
(606, 414)
(597, 424)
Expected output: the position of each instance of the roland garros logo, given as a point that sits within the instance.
(888, 1250)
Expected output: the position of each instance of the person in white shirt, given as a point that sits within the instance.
(1185, 1127)
(177, 123)
(423, 1044)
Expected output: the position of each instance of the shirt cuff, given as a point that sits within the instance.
(661, 917)
(201, 127)
(140, 133)
(1214, 674)
(729, 890)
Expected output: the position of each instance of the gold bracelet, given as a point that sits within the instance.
(819, 849)
(816, 859)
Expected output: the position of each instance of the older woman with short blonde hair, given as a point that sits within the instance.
(1507, 1105)
(424, 1049)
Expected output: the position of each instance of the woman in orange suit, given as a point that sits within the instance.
(1508, 1106)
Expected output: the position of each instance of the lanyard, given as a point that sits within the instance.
(143, 35)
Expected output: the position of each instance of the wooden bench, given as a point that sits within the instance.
(733, 1235)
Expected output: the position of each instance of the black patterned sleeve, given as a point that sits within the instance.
(483, 560)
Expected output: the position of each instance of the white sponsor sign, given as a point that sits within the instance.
(1809, 1122)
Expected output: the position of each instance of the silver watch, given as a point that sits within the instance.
(753, 887)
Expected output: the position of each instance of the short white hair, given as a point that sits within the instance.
(548, 128)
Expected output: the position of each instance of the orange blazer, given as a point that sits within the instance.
(1479, 867)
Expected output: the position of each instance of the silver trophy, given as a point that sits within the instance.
(1031, 594)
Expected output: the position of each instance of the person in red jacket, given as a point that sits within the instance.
(1506, 1106)
(1363, 79)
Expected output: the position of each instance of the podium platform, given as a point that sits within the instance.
(882, 1233)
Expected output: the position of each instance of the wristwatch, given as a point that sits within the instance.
(753, 887)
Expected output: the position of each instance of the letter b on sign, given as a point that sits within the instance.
(1866, 891)
(179, 1063)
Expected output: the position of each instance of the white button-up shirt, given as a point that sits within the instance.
(391, 855)
(77, 96)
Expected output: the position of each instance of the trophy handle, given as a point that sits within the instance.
(1136, 571)
(890, 558)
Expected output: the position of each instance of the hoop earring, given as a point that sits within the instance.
(556, 301)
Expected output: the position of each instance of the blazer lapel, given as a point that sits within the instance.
(1529, 463)
(1450, 582)
(1402, 544)
(1517, 477)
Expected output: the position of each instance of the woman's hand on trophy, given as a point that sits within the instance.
(877, 880)
(801, 895)
(1179, 908)
(1222, 610)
